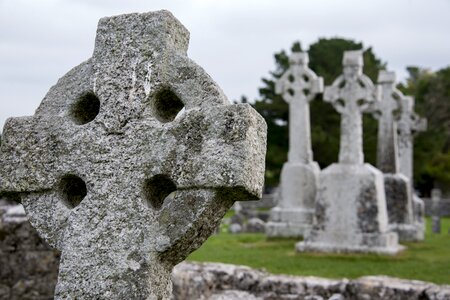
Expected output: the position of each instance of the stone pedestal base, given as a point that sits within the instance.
(293, 215)
(400, 207)
(289, 222)
(350, 213)
(385, 243)
(408, 232)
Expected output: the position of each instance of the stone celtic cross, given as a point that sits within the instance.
(351, 94)
(298, 86)
(388, 110)
(114, 174)
(408, 124)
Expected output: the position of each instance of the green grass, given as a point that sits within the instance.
(428, 260)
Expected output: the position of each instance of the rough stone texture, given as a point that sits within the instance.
(407, 125)
(398, 188)
(115, 174)
(350, 212)
(212, 280)
(292, 217)
(28, 266)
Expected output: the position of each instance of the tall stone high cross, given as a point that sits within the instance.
(408, 124)
(351, 94)
(111, 176)
(388, 109)
(298, 86)
(397, 186)
(350, 209)
(293, 215)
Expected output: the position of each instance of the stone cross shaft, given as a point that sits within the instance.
(387, 113)
(408, 124)
(111, 176)
(298, 86)
(351, 94)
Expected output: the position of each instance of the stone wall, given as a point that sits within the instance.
(29, 270)
(222, 281)
(28, 267)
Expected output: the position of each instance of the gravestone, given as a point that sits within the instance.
(436, 195)
(410, 123)
(293, 215)
(111, 176)
(350, 211)
(397, 186)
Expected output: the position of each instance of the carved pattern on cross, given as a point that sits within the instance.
(409, 122)
(299, 81)
(387, 111)
(351, 94)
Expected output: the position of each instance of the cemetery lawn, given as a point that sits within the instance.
(427, 261)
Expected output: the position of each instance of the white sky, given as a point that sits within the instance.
(233, 40)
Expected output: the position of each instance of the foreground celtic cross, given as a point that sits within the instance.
(397, 186)
(110, 175)
(350, 211)
(293, 215)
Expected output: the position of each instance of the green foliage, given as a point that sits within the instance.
(428, 261)
(326, 60)
(431, 152)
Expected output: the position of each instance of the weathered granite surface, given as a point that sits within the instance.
(399, 196)
(350, 212)
(131, 160)
(222, 281)
(292, 217)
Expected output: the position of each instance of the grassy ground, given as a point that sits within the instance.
(428, 260)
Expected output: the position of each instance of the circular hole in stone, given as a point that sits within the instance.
(166, 105)
(157, 189)
(85, 108)
(73, 190)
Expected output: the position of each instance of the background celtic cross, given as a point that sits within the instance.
(351, 94)
(298, 86)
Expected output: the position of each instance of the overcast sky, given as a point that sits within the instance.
(233, 40)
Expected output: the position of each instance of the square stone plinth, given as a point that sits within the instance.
(293, 215)
(350, 213)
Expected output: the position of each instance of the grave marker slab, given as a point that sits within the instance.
(111, 176)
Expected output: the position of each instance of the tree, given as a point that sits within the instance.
(326, 60)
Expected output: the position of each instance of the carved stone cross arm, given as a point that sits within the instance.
(299, 81)
(352, 93)
(131, 160)
(298, 86)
